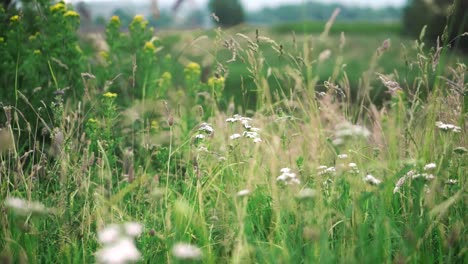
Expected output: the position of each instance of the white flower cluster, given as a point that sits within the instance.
(414, 175)
(372, 180)
(326, 170)
(288, 177)
(118, 243)
(204, 130)
(347, 130)
(249, 132)
(185, 251)
(353, 167)
(23, 207)
(448, 127)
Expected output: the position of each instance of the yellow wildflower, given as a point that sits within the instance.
(110, 95)
(60, 6)
(92, 120)
(154, 124)
(167, 76)
(138, 19)
(216, 81)
(71, 13)
(2, 40)
(37, 52)
(104, 54)
(192, 68)
(115, 19)
(14, 18)
(149, 46)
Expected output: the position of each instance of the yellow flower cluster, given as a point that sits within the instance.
(34, 37)
(37, 52)
(60, 6)
(115, 19)
(14, 18)
(71, 13)
(92, 120)
(149, 46)
(110, 95)
(139, 20)
(2, 40)
(192, 68)
(216, 81)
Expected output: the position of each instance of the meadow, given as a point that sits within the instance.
(240, 145)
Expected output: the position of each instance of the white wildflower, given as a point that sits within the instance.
(430, 166)
(343, 156)
(235, 136)
(372, 180)
(133, 229)
(243, 193)
(186, 251)
(447, 127)
(199, 136)
(326, 170)
(24, 207)
(257, 140)
(122, 251)
(109, 234)
(306, 193)
(206, 128)
(287, 176)
(249, 134)
(451, 182)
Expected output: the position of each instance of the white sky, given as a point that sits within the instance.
(257, 4)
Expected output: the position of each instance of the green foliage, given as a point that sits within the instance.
(315, 170)
(229, 12)
(446, 20)
(316, 11)
(308, 27)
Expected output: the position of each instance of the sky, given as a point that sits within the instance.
(258, 4)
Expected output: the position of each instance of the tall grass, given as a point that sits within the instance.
(311, 174)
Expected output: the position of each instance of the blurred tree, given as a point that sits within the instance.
(445, 18)
(229, 12)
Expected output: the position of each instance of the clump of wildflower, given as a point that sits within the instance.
(118, 243)
(216, 84)
(138, 21)
(326, 170)
(60, 6)
(347, 130)
(71, 13)
(115, 20)
(207, 128)
(110, 95)
(149, 46)
(448, 127)
(14, 18)
(23, 207)
(185, 251)
(235, 136)
(343, 156)
(451, 182)
(243, 193)
(353, 167)
(400, 183)
(306, 193)
(288, 177)
(430, 166)
(192, 68)
(249, 132)
(372, 180)
(36, 52)
(426, 176)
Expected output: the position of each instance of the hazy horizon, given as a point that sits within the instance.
(259, 4)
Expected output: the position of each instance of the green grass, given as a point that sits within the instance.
(355, 28)
(128, 149)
